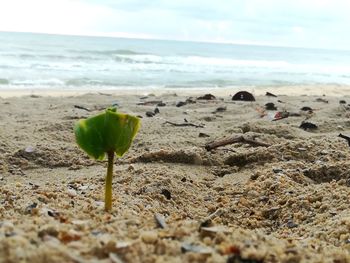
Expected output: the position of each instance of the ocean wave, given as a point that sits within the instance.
(81, 82)
(108, 52)
(51, 57)
(200, 61)
(37, 81)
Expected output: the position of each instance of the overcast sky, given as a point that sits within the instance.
(301, 23)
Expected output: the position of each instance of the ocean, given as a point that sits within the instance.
(34, 61)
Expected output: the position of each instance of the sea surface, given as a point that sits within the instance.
(74, 62)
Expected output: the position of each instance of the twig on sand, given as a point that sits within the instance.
(184, 124)
(151, 102)
(104, 94)
(81, 107)
(280, 118)
(237, 139)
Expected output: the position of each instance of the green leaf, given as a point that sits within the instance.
(106, 132)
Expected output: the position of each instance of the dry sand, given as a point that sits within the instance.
(288, 202)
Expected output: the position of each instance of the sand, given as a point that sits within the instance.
(288, 202)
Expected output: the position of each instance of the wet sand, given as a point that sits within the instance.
(287, 202)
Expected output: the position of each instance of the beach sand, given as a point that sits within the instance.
(288, 202)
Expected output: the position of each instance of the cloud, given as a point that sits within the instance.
(311, 23)
(64, 16)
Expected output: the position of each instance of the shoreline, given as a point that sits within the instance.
(295, 90)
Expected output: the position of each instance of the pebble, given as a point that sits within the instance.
(291, 224)
(150, 113)
(161, 104)
(160, 220)
(80, 224)
(29, 209)
(49, 231)
(83, 187)
(180, 104)
(203, 135)
(149, 237)
(221, 109)
(29, 149)
(166, 193)
(71, 192)
(7, 226)
(185, 247)
(277, 170)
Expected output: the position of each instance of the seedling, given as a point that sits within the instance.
(107, 133)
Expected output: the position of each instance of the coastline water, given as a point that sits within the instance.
(55, 62)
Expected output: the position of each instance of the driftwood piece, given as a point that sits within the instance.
(184, 124)
(232, 140)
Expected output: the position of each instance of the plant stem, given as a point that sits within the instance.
(109, 177)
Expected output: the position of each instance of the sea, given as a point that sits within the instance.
(35, 61)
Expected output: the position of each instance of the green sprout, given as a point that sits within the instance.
(105, 134)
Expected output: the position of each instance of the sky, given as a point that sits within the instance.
(296, 23)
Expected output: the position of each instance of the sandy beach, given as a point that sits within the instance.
(283, 199)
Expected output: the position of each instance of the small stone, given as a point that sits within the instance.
(185, 247)
(69, 236)
(166, 193)
(83, 187)
(207, 97)
(161, 104)
(308, 126)
(306, 108)
(80, 224)
(180, 104)
(277, 170)
(160, 220)
(29, 208)
(71, 192)
(203, 135)
(150, 113)
(49, 231)
(29, 149)
(291, 224)
(7, 226)
(324, 152)
(149, 237)
(221, 109)
(270, 106)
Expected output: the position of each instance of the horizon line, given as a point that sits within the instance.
(123, 35)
